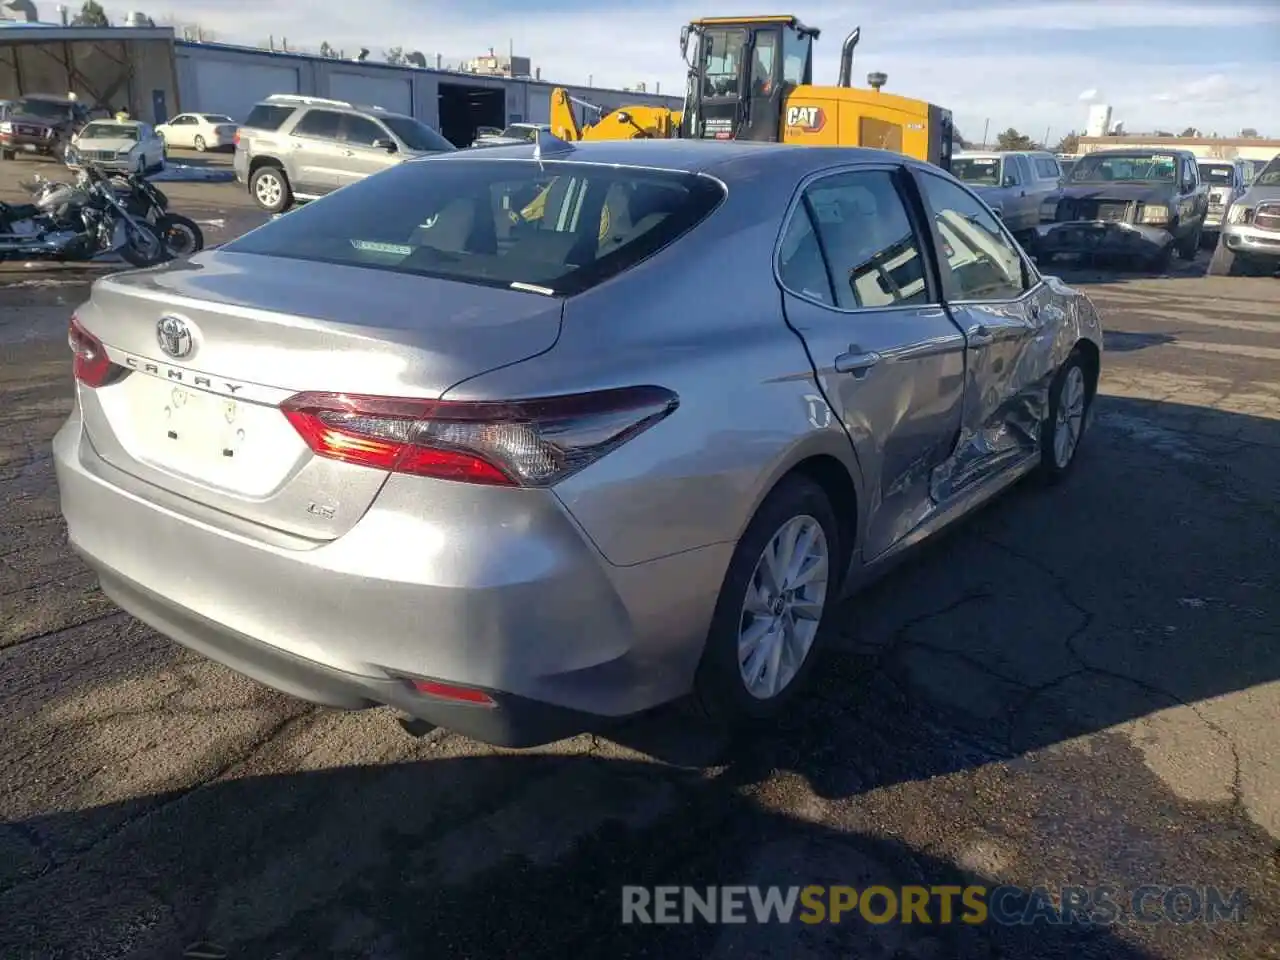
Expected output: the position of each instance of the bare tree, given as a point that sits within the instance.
(1068, 144)
(395, 55)
(1011, 139)
(1190, 132)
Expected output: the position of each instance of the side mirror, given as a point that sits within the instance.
(1010, 180)
(388, 145)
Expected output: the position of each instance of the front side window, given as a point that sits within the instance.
(362, 132)
(1270, 174)
(872, 252)
(561, 227)
(984, 264)
(762, 63)
(418, 136)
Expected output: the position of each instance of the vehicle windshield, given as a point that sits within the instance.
(417, 136)
(981, 171)
(46, 109)
(1126, 168)
(722, 60)
(519, 131)
(1216, 173)
(1270, 175)
(109, 131)
(217, 118)
(560, 227)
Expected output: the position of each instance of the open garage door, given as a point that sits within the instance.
(230, 87)
(390, 93)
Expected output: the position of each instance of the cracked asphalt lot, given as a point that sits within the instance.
(1078, 686)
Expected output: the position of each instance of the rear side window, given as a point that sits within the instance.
(1048, 169)
(559, 227)
(268, 116)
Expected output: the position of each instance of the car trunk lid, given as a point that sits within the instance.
(201, 419)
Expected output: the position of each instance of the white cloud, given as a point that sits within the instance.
(926, 55)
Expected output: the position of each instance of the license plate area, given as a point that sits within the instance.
(225, 443)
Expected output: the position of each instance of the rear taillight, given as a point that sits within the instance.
(235, 137)
(526, 443)
(91, 365)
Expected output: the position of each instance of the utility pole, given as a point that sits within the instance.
(985, 128)
(1046, 137)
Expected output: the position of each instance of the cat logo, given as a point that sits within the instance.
(808, 119)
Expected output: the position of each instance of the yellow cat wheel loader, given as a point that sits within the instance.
(751, 78)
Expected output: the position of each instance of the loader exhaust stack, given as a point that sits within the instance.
(846, 58)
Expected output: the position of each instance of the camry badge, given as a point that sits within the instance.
(174, 337)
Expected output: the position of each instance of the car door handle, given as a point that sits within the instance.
(1035, 311)
(856, 362)
(981, 336)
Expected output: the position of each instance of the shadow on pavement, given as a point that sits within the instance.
(498, 887)
(1050, 615)
(1119, 341)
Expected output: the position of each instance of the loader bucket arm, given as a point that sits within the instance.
(563, 123)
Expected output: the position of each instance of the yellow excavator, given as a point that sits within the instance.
(751, 78)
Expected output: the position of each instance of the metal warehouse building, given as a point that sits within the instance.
(226, 79)
(156, 77)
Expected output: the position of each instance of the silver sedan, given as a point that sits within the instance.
(521, 439)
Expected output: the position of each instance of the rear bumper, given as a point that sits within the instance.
(1101, 236)
(1251, 241)
(505, 595)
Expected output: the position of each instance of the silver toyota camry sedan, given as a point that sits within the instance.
(519, 440)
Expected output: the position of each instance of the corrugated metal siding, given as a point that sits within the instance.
(224, 86)
(390, 93)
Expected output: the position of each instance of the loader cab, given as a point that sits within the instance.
(740, 72)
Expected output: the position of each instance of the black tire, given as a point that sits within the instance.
(1054, 468)
(199, 144)
(140, 168)
(1162, 260)
(719, 687)
(259, 189)
(1189, 247)
(154, 252)
(182, 236)
(1225, 263)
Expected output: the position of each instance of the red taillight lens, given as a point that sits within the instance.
(531, 443)
(235, 138)
(449, 691)
(90, 365)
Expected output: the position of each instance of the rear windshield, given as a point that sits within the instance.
(1218, 173)
(417, 136)
(978, 171)
(217, 118)
(268, 116)
(558, 227)
(109, 131)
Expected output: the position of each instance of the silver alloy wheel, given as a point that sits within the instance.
(783, 607)
(1070, 419)
(268, 190)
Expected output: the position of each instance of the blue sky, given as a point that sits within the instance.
(1031, 64)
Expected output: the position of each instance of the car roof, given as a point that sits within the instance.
(735, 159)
(111, 121)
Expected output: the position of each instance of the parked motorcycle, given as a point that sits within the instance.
(79, 221)
(182, 236)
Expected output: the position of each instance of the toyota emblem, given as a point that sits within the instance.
(174, 337)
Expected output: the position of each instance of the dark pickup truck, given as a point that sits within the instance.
(1144, 204)
(40, 124)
